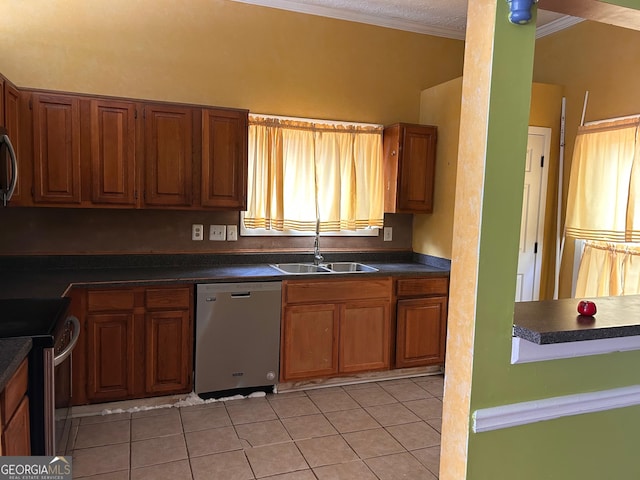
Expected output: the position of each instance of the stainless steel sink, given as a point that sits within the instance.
(347, 267)
(300, 268)
(335, 267)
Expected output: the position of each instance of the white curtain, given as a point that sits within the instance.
(302, 171)
(609, 269)
(603, 196)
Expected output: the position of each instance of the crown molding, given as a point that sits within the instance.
(395, 23)
(557, 25)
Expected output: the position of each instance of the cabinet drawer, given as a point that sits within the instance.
(110, 300)
(337, 291)
(165, 298)
(413, 287)
(14, 391)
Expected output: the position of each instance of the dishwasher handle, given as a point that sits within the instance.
(241, 295)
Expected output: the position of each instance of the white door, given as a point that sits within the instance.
(533, 209)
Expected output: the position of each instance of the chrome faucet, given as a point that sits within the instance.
(317, 257)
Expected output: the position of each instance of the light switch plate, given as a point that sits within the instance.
(232, 233)
(388, 234)
(218, 232)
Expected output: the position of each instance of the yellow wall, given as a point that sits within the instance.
(224, 53)
(440, 105)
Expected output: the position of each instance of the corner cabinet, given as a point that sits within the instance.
(409, 168)
(335, 327)
(421, 321)
(136, 343)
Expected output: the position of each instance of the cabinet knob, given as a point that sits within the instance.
(393, 152)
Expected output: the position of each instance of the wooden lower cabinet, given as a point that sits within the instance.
(137, 343)
(336, 327)
(421, 331)
(364, 336)
(110, 356)
(310, 338)
(421, 321)
(167, 351)
(15, 438)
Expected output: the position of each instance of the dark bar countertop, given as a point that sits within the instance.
(558, 321)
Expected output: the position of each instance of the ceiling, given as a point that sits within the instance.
(443, 18)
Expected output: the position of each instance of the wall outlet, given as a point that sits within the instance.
(217, 232)
(197, 232)
(388, 234)
(232, 233)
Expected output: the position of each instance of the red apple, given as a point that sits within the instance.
(585, 307)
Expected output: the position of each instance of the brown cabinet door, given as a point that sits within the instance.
(113, 152)
(224, 159)
(168, 155)
(56, 149)
(421, 331)
(168, 352)
(417, 169)
(11, 99)
(309, 341)
(364, 336)
(15, 438)
(110, 356)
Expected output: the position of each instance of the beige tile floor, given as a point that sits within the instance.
(383, 430)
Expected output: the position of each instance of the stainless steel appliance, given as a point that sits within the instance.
(54, 335)
(237, 337)
(8, 167)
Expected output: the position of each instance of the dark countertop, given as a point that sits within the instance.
(557, 321)
(27, 277)
(12, 352)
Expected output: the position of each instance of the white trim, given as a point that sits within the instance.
(339, 14)
(524, 351)
(505, 416)
(397, 23)
(557, 25)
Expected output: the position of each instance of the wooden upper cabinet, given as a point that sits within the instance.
(113, 152)
(409, 157)
(224, 159)
(168, 140)
(56, 149)
(11, 120)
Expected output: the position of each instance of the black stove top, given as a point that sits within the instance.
(38, 318)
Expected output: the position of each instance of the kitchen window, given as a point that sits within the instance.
(307, 175)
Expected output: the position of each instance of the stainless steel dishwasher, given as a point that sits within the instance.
(237, 336)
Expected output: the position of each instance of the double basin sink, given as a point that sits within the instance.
(335, 267)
